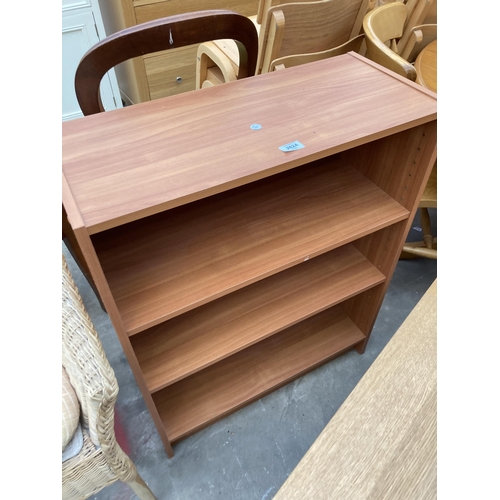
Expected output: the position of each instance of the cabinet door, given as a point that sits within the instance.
(79, 33)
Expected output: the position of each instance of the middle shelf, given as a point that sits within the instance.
(188, 343)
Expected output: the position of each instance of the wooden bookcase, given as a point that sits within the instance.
(229, 267)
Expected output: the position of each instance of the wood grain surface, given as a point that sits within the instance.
(206, 396)
(196, 144)
(177, 203)
(177, 348)
(381, 444)
(218, 245)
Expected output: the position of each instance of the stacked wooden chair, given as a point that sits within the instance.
(383, 27)
(290, 33)
(397, 31)
(419, 37)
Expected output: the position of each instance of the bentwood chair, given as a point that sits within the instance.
(163, 34)
(286, 28)
(396, 31)
(420, 36)
(418, 12)
(383, 27)
(95, 459)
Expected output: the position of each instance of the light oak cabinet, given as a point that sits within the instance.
(228, 266)
(164, 73)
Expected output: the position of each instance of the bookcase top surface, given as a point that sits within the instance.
(128, 163)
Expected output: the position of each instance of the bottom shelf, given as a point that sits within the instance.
(201, 399)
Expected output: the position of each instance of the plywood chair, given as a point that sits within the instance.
(383, 27)
(353, 45)
(163, 34)
(418, 12)
(286, 29)
(96, 460)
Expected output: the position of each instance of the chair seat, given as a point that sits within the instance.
(74, 446)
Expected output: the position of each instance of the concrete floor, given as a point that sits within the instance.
(249, 454)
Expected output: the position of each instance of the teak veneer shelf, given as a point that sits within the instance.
(199, 400)
(229, 267)
(199, 252)
(179, 347)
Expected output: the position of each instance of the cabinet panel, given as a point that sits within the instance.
(152, 11)
(68, 5)
(79, 35)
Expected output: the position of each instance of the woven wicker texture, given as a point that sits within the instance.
(101, 461)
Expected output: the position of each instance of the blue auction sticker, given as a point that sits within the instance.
(292, 146)
(255, 126)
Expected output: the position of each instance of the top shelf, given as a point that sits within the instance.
(186, 147)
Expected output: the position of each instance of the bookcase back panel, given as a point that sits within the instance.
(398, 164)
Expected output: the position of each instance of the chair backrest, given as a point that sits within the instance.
(383, 26)
(354, 44)
(418, 12)
(307, 27)
(420, 37)
(163, 34)
(265, 5)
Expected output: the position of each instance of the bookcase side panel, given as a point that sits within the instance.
(400, 165)
(85, 243)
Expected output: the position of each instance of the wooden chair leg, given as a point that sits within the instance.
(427, 247)
(425, 220)
(413, 251)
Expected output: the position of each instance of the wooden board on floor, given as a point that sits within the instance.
(382, 441)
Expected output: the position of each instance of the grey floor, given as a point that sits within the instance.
(249, 454)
